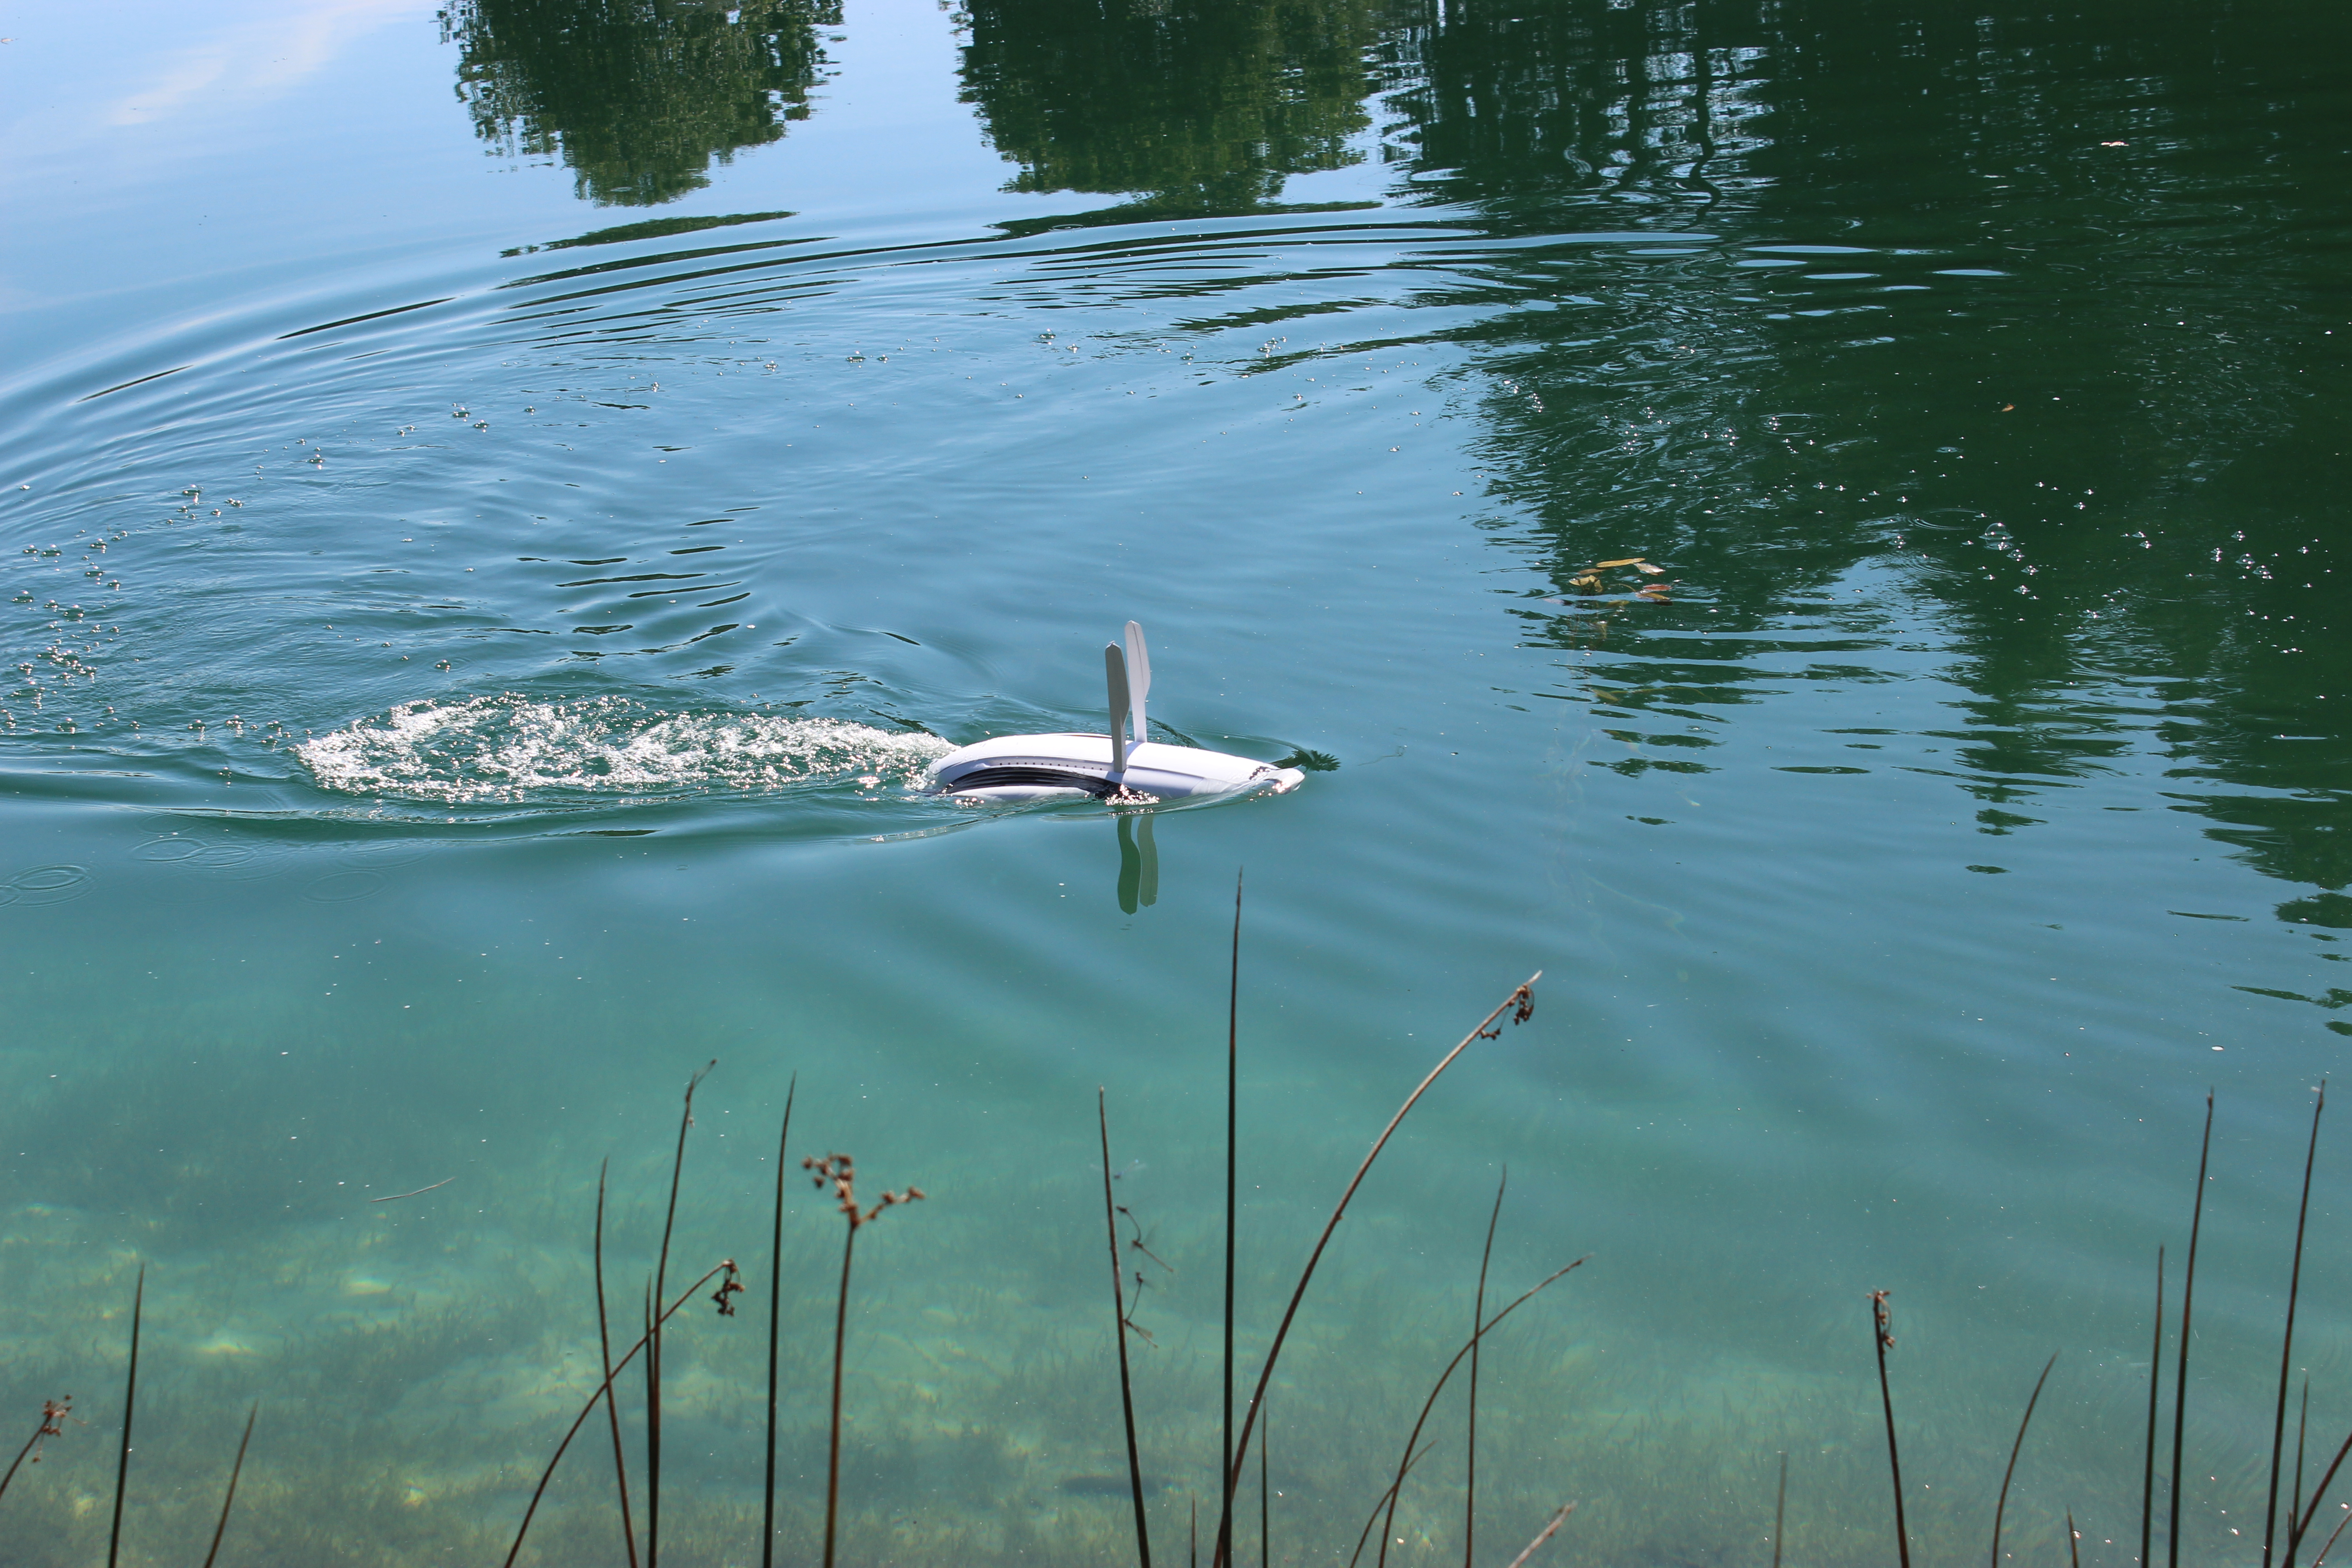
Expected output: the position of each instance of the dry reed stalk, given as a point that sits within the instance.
(2154, 1378)
(605, 1351)
(1520, 1004)
(1780, 1509)
(1119, 1329)
(726, 1309)
(53, 1414)
(2323, 1550)
(1882, 1336)
(2002, 1506)
(2298, 1529)
(129, 1401)
(1381, 1501)
(2287, 1345)
(1233, 1081)
(1264, 1498)
(652, 1376)
(839, 1172)
(2073, 1542)
(235, 1470)
(1470, 1445)
(2302, 1430)
(653, 1356)
(2180, 1376)
(1545, 1534)
(1477, 1336)
(1388, 1498)
(775, 1299)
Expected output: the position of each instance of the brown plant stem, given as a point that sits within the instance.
(235, 1470)
(839, 1173)
(2302, 1431)
(1411, 1458)
(2180, 1376)
(833, 1446)
(1470, 1445)
(651, 1373)
(653, 1356)
(1119, 1330)
(1545, 1534)
(2155, 1379)
(2331, 1540)
(1223, 1553)
(2301, 1527)
(605, 1351)
(2287, 1345)
(1264, 1498)
(2002, 1506)
(1780, 1510)
(53, 1411)
(1406, 1461)
(1883, 1338)
(129, 1401)
(1478, 1337)
(1520, 1003)
(603, 1390)
(2073, 1542)
(775, 1300)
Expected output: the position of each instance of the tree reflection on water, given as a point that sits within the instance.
(637, 98)
(1199, 105)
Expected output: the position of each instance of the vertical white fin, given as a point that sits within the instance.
(1115, 669)
(1138, 680)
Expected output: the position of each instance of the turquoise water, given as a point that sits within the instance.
(500, 502)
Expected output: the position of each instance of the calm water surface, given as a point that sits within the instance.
(500, 502)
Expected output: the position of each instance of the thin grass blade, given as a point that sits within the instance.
(1883, 1338)
(1521, 1004)
(2180, 1376)
(2286, 1343)
(605, 1351)
(1118, 1333)
(2001, 1507)
(775, 1299)
(235, 1470)
(130, 1403)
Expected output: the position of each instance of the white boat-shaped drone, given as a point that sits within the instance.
(1108, 767)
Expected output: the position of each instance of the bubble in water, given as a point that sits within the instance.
(512, 748)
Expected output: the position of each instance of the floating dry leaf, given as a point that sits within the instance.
(1629, 561)
(1645, 566)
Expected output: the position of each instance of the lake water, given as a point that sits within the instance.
(1966, 797)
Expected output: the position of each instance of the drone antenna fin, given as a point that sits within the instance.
(1139, 679)
(1114, 670)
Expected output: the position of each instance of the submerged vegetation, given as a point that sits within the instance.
(788, 1525)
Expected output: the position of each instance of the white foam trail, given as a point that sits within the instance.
(510, 748)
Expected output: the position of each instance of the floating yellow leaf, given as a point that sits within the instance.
(1629, 561)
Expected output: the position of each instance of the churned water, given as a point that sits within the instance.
(1814, 526)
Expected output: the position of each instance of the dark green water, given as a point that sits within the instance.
(1972, 798)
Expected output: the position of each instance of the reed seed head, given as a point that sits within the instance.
(729, 1286)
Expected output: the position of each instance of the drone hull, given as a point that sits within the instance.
(1044, 767)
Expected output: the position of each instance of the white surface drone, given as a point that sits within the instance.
(1115, 767)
